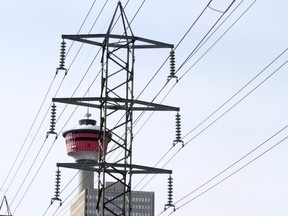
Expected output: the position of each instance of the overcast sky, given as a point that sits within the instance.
(248, 48)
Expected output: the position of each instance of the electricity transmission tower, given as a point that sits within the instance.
(116, 104)
(8, 211)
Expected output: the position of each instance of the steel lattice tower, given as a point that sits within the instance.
(117, 96)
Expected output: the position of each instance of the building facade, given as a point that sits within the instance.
(86, 201)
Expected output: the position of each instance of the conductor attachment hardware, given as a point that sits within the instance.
(57, 187)
(52, 120)
(62, 57)
(170, 194)
(172, 66)
(177, 129)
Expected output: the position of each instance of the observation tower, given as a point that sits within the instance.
(85, 142)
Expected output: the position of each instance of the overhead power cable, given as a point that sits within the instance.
(257, 86)
(26, 153)
(139, 8)
(87, 15)
(39, 129)
(203, 56)
(83, 96)
(237, 93)
(25, 140)
(233, 173)
(206, 35)
(186, 143)
(189, 69)
(166, 83)
(18, 154)
(162, 65)
(21, 185)
(94, 80)
(193, 24)
(49, 152)
(228, 111)
(140, 116)
(35, 159)
(249, 7)
(80, 48)
(71, 117)
(170, 159)
(233, 164)
(44, 159)
(197, 61)
(191, 54)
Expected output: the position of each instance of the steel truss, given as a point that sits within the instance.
(117, 63)
(8, 211)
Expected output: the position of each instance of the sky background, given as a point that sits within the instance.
(239, 50)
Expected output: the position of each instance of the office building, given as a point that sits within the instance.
(86, 201)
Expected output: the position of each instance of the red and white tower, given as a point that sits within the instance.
(83, 144)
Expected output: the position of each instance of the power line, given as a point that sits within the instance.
(206, 53)
(88, 13)
(166, 83)
(181, 40)
(139, 8)
(249, 7)
(186, 143)
(40, 127)
(233, 173)
(27, 176)
(170, 159)
(38, 115)
(228, 111)
(80, 48)
(164, 62)
(233, 164)
(238, 101)
(25, 140)
(201, 41)
(193, 24)
(237, 93)
(197, 62)
(94, 80)
(44, 157)
(34, 161)
(191, 54)
(187, 71)
(29, 150)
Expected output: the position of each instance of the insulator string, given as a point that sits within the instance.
(172, 65)
(170, 194)
(52, 120)
(177, 129)
(62, 57)
(57, 187)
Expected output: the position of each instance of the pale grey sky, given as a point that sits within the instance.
(30, 41)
